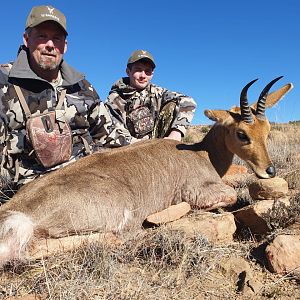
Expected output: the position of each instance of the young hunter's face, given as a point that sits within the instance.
(47, 44)
(140, 74)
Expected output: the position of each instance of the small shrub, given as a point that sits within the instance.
(281, 216)
(205, 129)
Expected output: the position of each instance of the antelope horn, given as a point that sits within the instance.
(245, 108)
(261, 107)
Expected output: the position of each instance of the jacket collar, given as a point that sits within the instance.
(122, 86)
(21, 69)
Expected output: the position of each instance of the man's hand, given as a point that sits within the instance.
(174, 135)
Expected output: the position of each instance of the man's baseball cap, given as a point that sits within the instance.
(43, 13)
(141, 54)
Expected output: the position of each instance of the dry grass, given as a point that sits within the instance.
(284, 146)
(196, 133)
(162, 264)
(156, 264)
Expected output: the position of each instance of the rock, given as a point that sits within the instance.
(217, 228)
(172, 213)
(265, 189)
(50, 246)
(239, 270)
(236, 176)
(236, 169)
(283, 254)
(252, 216)
(28, 297)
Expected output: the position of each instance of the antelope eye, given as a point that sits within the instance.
(242, 136)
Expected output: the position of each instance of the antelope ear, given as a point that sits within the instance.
(217, 115)
(274, 97)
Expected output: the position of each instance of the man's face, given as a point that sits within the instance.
(47, 44)
(140, 74)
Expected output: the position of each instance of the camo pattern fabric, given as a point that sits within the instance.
(140, 121)
(164, 120)
(82, 109)
(123, 99)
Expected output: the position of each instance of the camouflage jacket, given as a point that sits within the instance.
(123, 99)
(84, 112)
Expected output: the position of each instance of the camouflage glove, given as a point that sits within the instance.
(162, 126)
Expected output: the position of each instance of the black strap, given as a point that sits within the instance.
(25, 105)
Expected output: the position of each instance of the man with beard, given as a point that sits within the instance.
(40, 83)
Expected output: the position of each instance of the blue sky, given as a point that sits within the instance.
(206, 49)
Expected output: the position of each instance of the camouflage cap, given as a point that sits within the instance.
(43, 13)
(141, 54)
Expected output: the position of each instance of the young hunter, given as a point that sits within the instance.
(50, 114)
(142, 110)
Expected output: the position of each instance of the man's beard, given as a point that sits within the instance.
(48, 64)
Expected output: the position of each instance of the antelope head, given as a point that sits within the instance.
(247, 128)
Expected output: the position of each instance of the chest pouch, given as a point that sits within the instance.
(49, 136)
(140, 121)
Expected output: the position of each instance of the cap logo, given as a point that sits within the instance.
(142, 54)
(51, 15)
(50, 9)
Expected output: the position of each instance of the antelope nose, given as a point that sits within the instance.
(271, 171)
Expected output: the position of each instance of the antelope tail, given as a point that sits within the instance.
(16, 229)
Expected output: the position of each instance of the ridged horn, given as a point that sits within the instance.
(245, 109)
(261, 107)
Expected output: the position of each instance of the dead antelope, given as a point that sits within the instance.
(116, 190)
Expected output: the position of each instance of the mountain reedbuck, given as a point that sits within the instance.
(115, 190)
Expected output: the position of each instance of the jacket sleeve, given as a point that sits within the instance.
(97, 120)
(119, 134)
(186, 107)
(3, 118)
